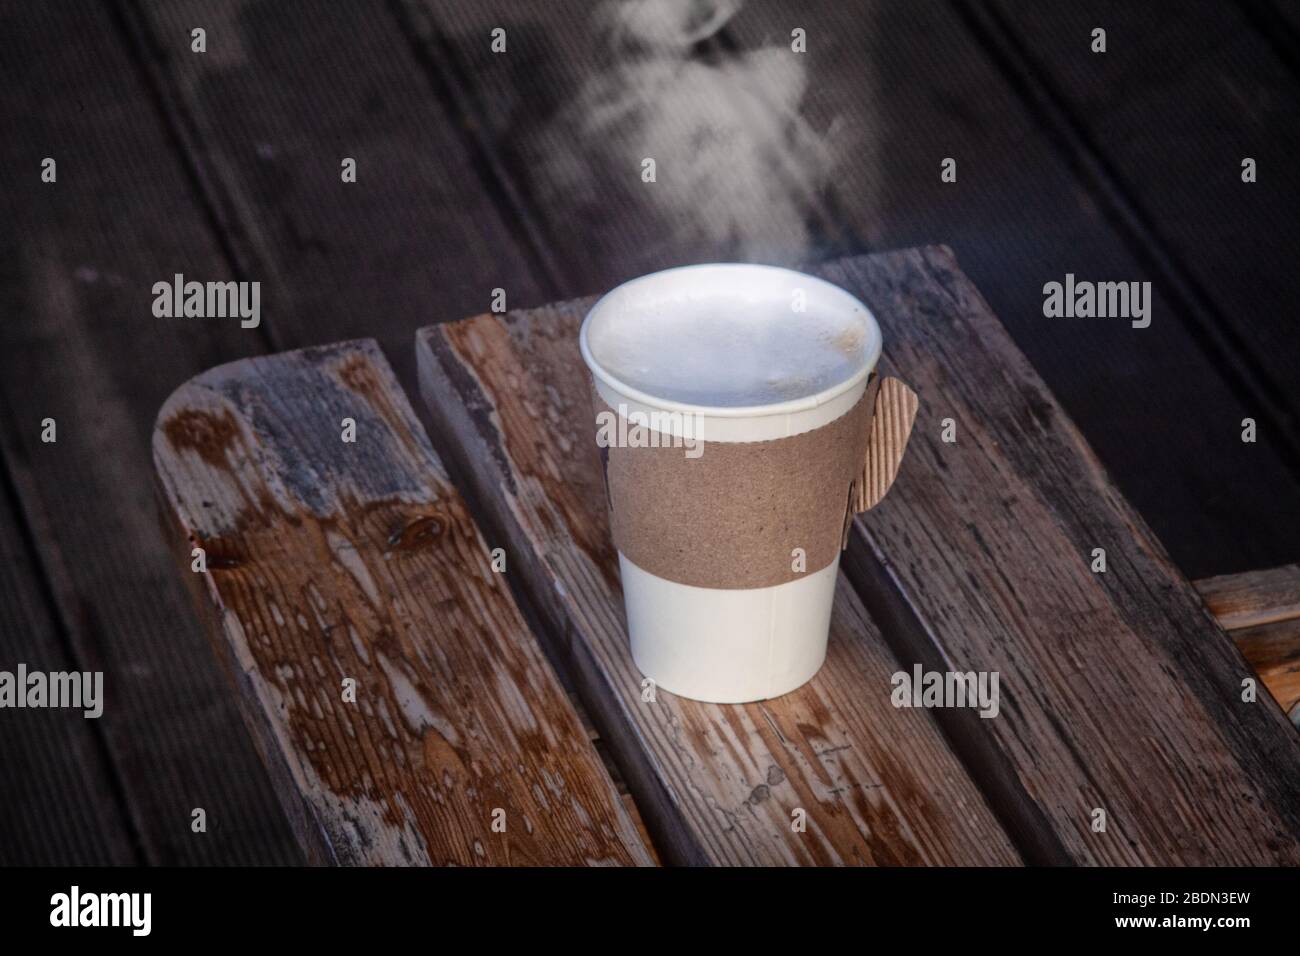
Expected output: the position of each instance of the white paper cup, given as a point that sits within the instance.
(715, 644)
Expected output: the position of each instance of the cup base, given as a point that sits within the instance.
(728, 646)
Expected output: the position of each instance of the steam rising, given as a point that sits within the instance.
(737, 166)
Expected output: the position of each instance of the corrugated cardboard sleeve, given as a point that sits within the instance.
(733, 517)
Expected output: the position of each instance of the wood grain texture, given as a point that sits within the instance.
(1261, 611)
(330, 560)
(79, 344)
(1119, 691)
(416, 238)
(1273, 650)
(716, 784)
(1253, 597)
(56, 787)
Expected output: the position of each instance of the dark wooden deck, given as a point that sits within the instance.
(479, 171)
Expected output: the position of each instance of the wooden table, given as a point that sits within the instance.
(226, 166)
(417, 702)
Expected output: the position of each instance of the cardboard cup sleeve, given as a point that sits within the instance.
(736, 516)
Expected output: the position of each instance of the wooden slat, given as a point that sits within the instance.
(1119, 691)
(416, 238)
(79, 344)
(1174, 105)
(717, 784)
(1273, 650)
(330, 560)
(1261, 611)
(1253, 597)
(56, 788)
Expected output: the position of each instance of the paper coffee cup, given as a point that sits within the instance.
(730, 361)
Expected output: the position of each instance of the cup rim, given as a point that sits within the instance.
(787, 406)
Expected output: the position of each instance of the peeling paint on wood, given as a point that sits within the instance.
(330, 560)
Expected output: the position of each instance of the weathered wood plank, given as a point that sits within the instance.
(1261, 612)
(329, 560)
(1253, 597)
(56, 787)
(1273, 650)
(79, 344)
(1119, 691)
(415, 238)
(716, 784)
